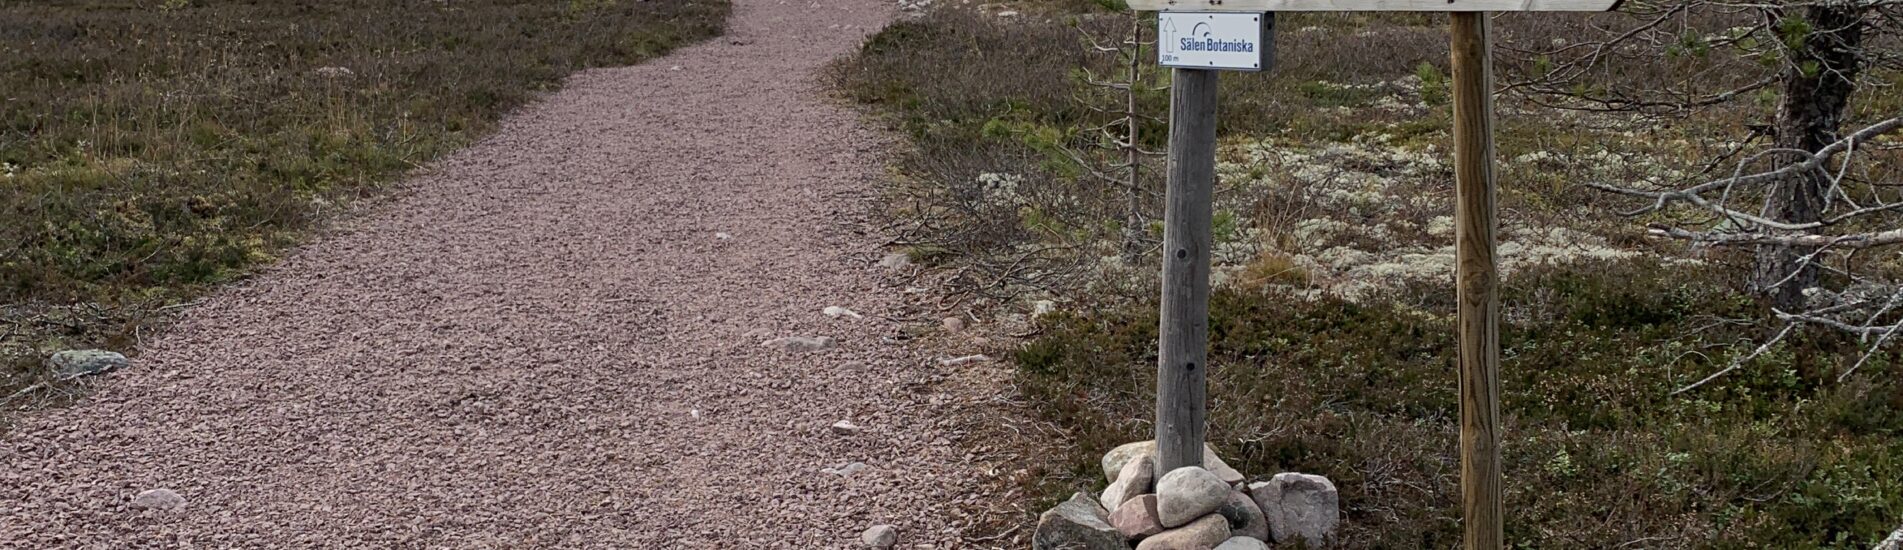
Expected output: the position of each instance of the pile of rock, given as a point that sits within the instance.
(1190, 508)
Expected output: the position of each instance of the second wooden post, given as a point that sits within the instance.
(1476, 281)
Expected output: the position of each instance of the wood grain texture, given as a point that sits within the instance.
(1477, 282)
(1182, 385)
(1374, 5)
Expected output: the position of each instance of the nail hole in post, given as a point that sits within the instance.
(1190, 367)
(1181, 253)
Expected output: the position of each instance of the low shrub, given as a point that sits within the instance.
(1598, 454)
(1332, 177)
(151, 149)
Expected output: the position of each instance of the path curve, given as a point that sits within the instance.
(542, 343)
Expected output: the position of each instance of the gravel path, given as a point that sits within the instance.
(542, 342)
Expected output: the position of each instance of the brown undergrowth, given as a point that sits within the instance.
(152, 150)
(1331, 326)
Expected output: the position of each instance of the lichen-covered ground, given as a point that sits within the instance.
(1331, 323)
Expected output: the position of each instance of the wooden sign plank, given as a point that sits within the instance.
(1374, 5)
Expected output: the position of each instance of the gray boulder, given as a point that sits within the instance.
(1188, 493)
(1203, 534)
(1114, 461)
(1077, 524)
(1245, 517)
(1137, 477)
(1299, 506)
(1136, 518)
(1215, 465)
(82, 362)
(1121, 455)
(1243, 543)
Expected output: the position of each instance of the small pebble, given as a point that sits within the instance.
(880, 536)
(895, 261)
(158, 499)
(845, 470)
(800, 343)
(966, 360)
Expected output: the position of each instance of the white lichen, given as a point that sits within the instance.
(1000, 189)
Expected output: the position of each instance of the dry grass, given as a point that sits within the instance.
(152, 149)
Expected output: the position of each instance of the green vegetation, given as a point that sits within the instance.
(150, 149)
(1598, 454)
(1332, 327)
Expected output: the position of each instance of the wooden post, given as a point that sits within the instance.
(1477, 282)
(1182, 387)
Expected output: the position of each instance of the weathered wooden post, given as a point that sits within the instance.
(1477, 281)
(1198, 45)
(1182, 387)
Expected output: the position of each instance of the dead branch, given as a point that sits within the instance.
(1766, 346)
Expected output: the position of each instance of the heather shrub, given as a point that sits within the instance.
(1331, 324)
(1597, 453)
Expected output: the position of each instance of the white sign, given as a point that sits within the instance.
(1209, 40)
(1375, 5)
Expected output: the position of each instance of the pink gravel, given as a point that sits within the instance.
(541, 343)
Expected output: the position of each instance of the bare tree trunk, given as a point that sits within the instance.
(1817, 84)
(1133, 229)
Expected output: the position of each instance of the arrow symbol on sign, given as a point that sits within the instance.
(1168, 33)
